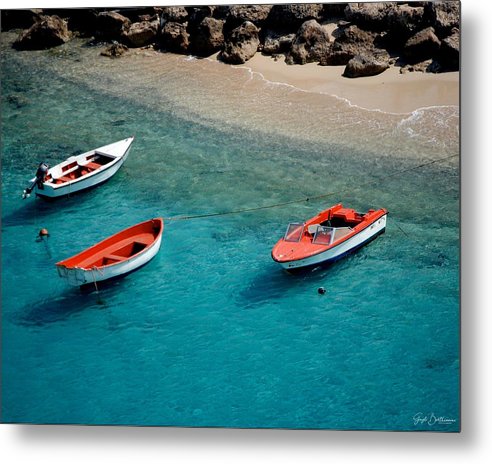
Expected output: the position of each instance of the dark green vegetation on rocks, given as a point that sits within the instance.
(367, 38)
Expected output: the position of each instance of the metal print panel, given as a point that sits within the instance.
(193, 305)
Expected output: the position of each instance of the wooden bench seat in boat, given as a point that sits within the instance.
(62, 180)
(92, 166)
(118, 252)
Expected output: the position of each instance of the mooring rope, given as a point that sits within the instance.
(306, 199)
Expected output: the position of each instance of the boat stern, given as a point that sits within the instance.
(73, 275)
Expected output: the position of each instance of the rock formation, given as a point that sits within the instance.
(350, 41)
(208, 37)
(141, 33)
(422, 46)
(111, 25)
(275, 42)
(241, 45)
(289, 18)
(417, 35)
(310, 43)
(174, 37)
(115, 50)
(367, 65)
(49, 31)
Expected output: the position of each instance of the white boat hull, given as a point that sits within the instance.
(78, 276)
(120, 151)
(340, 250)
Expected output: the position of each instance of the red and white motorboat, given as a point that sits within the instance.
(115, 256)
(328, 236)
(79, 172)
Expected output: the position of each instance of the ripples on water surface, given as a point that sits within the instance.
(212, 332)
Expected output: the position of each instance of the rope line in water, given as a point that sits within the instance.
(305, 199)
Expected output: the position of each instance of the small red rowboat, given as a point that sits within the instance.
(115, 256)
(328, 236)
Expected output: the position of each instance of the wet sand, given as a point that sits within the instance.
(390, 91)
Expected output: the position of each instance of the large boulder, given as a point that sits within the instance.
(288, 18)
(449, 54)
(111, 25)
(50, 31)
(174, 37)
(421, 46)
(141, 34)
(310, 43)
(241, 45)
(238, 14)
(208, 37)
(174, 14)
(367, 65)
(350, 41)
(19, 19)
(443, 16)
(371, 16)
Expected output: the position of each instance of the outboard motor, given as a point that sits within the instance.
(41, 174)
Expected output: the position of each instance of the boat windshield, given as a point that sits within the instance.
(294, 232)
(323, 235)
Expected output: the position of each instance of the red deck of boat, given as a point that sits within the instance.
(285, 251)
(119, 247)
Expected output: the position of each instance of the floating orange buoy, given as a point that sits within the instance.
(44, 233)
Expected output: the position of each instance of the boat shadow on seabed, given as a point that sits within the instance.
(274, 283)
(57, 309)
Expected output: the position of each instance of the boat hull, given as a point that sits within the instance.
(114, 257)
(339, 251)
(82, 277)
(51, 191)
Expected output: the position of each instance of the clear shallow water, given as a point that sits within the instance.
(212, 332)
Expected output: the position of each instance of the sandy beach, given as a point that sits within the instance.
(390, 91)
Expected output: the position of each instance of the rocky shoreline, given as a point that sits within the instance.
(366, 38)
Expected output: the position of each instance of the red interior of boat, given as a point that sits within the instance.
(78, 170)
(119, 247)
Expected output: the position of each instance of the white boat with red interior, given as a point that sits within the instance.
(79, 172)
(115, 256)
(327, 237)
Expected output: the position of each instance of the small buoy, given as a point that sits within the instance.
(44, 233)
(321, 290)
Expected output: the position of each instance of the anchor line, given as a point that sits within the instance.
(309, 198)
(94, 269)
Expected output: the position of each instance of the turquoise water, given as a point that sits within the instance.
(212, 332)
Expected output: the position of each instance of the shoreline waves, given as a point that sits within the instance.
(249, 97)
(401, 94)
